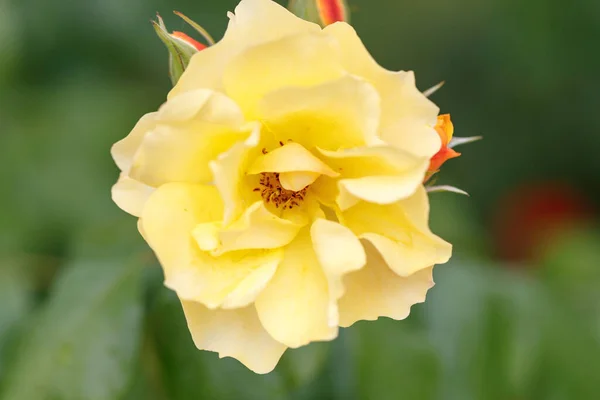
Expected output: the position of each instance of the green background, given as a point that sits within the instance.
(514, 316)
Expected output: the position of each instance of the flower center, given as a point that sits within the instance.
(272, 192)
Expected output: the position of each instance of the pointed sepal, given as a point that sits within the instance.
(458, 141)
(445, 188)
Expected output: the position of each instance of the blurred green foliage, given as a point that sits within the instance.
(83, 314)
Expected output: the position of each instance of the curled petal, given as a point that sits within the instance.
(131, 195)
(400, 232)
(124, 150)
(233, 333)
(376, 291)
(378, 174)
(202, 105)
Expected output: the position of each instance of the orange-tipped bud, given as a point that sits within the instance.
(331, 11)
(181, 47)
(445, 129)
(180, 35)
(322, 12)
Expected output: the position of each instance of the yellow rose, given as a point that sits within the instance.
(280, 186)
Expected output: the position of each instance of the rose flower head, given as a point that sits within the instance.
(281, 186)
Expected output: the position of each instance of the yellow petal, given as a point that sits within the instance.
(176, 152)
(326, 190)
(296, 181)
(339, 252)
(407, 116)
(233, 333)
(249, 23)
(205, 70)
(202, 105)
(207, 235)
(295, 307)
(338, 114)
(257, 228)
(171, 214)
(406, 258)
(378, 189)
(376, 291)
(291, 157)
(400, 233)
(229, 171)
(131, 195)
(124, 150)
(231, 280)
(247, 28)
(307, 60)
(378, 174)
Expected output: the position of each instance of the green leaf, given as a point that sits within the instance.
(501, 335)
(16, 298)
(83, 342)
(394, 360)
(570, 265)
(455, 312)
(303, 369)
(189, 373)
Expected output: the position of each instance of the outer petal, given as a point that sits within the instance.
(124, 150)
(233, 333)
(339, 114)
(307, 60)
(131, 195)
(246, 28)
(408, 117)
(193, 129)
(296, 308)
(248, 24)
(230, 281)
(205, 70)
(379, 174)
(376, 291)
(400, 233)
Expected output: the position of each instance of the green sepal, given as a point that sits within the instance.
(458, 141)
(180, 52)
(445, 188)
(305, 9)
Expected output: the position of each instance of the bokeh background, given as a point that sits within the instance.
(514, 316)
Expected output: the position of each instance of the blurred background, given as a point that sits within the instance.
(514, 316)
